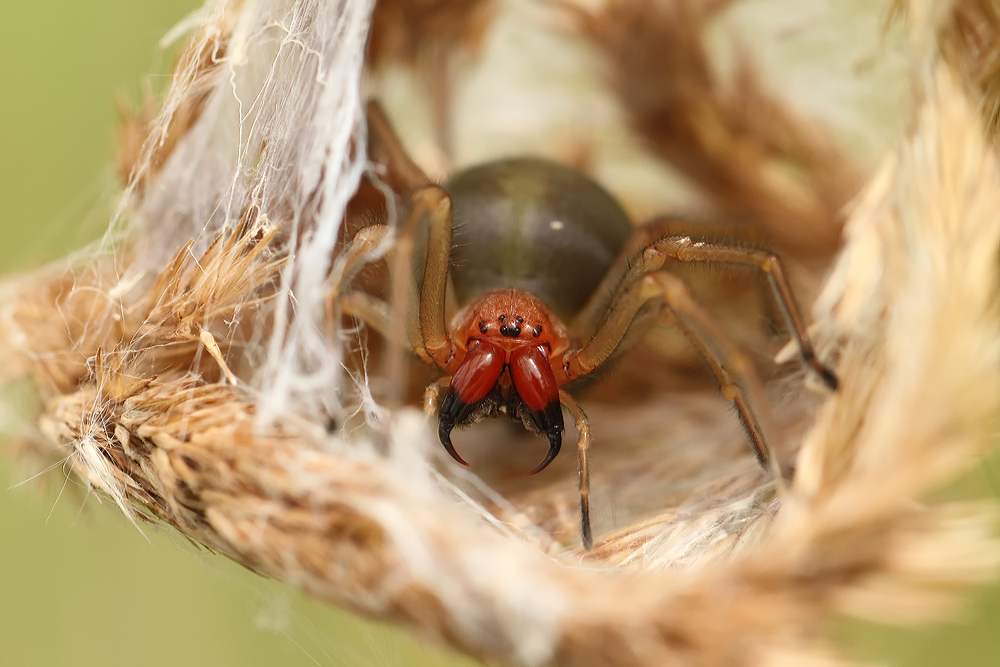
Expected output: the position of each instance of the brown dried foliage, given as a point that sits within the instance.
(970, 43)
(754, 158)
(432, 36)
(142, 148)
(120, 336)
(404, 29)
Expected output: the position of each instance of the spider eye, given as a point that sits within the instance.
(537, 331)
(502, 318)
(519, 320)
(482, 327)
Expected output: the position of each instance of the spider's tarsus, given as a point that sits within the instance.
(585, 532)
(828, 378)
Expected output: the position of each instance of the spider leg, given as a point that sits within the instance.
(371, 310)
(583, 447)
(623, 271)
(360, 252)
(684, 249)
(385, 147)
(428, 332)
(374, 312)
(429, 335)
(735, 374)
(655, 243)
(422, 329)
(432, 395)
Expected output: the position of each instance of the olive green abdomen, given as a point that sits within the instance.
(535, 225)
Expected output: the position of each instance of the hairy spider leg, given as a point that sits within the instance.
(735, 374)
(429, 333)
(657, 242)
(384, 146)
(583, 449)
(426, 334)
(358, 253)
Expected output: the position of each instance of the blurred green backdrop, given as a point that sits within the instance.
(78, 584)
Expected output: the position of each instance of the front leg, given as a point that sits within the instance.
(385, 147)
(429, 330)
(735, 374)
(653, 244)
(424, 328)
(583, 450)
(685, 249)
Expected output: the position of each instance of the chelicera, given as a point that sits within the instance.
(551, 280)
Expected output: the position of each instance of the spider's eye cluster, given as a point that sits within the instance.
(510, 330)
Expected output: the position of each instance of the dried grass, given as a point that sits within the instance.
(434, 37)
(405, 29)
(967, 37)
(151, 388)
(754, 158)
(199, 63)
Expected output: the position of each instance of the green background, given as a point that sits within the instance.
(78, 584)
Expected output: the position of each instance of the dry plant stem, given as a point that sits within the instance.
(433, 36)
(404, 29)
(732, 139)
(967, 33)
(199, 62)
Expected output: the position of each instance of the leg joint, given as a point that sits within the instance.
(434, 199)
(672, 288)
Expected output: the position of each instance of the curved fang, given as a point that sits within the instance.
(555, 442)
(472, 382)
(444, 434)
(536, 385)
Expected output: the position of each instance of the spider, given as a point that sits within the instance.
(551, 280)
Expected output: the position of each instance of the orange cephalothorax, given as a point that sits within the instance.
(508, 337)
(510, 318)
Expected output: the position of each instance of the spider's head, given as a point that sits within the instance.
(510, 319)
(506, 338)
